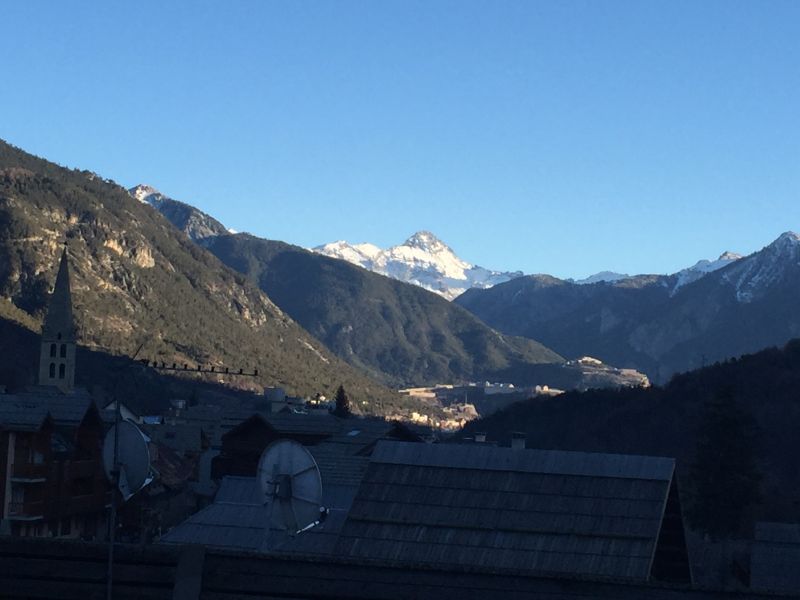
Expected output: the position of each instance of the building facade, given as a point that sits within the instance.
(52, 482)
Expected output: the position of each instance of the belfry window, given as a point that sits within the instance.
(62, 370)
(52, 350)
(63, 351)
(52, 370)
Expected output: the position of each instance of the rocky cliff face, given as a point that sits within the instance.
(194, 223)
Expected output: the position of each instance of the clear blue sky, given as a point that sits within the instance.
(564, 137)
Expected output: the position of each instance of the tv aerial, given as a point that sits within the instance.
(126, 459)
(291, 488)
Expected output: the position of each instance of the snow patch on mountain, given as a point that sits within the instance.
(601, 276)
(756, 273)
(702, 268)
(423, 260)
(359, 254)
(145, 193)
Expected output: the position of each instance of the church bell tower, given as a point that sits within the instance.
(57, 355)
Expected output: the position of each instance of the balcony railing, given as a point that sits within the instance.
(29, 471)
(26, 510)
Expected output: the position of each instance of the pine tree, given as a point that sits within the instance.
(724, 477)
(342, 408)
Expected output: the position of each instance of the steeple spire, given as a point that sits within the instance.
(59, 312)
(57, 356)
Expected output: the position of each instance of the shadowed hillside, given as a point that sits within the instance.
(665, 421)
(395, 331)
(136, 280)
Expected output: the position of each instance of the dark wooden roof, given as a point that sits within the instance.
(238, 520)
(71, 570)
(775, 559)
(343, 457)
(19, 414)
(29, 408)
(484, 457)
(501, 508)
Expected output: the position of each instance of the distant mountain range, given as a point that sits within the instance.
(684, 276)
(395, 332)
(659, 324)
(424, 260)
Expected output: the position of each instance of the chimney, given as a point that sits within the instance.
(480, 437)
(518, 440)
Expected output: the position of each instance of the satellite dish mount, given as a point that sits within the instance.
(291, 487)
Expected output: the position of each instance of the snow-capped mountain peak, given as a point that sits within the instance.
(194, 223)
(788, 241)
(359, 254)
(427, 242)
(423, 259)
(144, 193)
(729, 256)
(702, 268)
(766, 268)
(708, 266)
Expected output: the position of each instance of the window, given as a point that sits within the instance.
(58, 336)
(62, 370)
(52, 370)
(63, 351)
(52, 350)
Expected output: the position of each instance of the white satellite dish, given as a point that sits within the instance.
(291, 486)
(132, 460)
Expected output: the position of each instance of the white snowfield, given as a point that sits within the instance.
(424, 260)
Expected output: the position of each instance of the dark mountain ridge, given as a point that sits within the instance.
(650, 322)
(136, 280)
(397, 332)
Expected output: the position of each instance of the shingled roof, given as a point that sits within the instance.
(19, 414)
(67, 409)
(552, 512)
(239, 520)
(29, 408)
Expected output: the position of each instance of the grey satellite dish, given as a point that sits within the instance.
(291, 486)
(133, 458)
